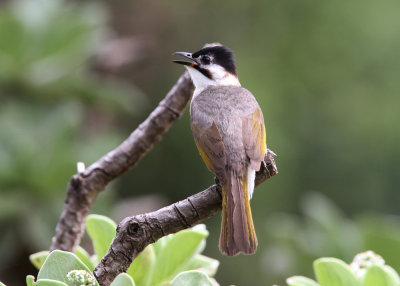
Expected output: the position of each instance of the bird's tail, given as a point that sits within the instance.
(237, 229)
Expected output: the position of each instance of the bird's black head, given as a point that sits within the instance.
(219, 55)
(204, 59)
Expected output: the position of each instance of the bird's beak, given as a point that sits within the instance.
(188, 56)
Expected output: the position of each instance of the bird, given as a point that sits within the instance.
(229, 131)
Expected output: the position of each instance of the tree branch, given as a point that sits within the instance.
(135, 233)
(84, 187)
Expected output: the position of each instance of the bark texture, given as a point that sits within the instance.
(135, 233)
(84, 187)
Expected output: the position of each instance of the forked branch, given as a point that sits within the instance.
(84, 187)
(135, 233)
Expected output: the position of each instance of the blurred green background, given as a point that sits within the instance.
(76, 77)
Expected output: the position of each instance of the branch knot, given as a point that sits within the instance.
(133, 228)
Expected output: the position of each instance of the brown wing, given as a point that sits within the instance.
(254, 137)
(211, 147)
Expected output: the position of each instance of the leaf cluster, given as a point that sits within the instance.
(335, 272)
(173, 260)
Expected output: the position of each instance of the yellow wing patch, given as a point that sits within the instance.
(204, 156)
(254, 138)
(211, 147)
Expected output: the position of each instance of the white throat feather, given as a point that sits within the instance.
(220, 77)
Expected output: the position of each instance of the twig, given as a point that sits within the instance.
(85, 186)
(135, 233)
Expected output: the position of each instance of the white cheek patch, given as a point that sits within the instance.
(217, 71)
(221, 76)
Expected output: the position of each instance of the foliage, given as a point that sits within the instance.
(102, 231)
(367, 269)
(160, 263)
(58, 266)
(326, 230)
(325, 74)
(51, 102)
(192, 277)
(296, 242)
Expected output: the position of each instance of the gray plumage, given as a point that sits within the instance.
(230, 108)
(228, 128)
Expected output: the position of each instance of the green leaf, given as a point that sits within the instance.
(176, 253)
(205, 264)
(123, 279)
(142, 267)
(30, 281)
(49, 282)
(301, 281)
(192, 278)
(160, 244)
(38, 258)
(392, 272)
(84, 256)
(102, 231)
(58, 264)
(378, 275)
(334, 272)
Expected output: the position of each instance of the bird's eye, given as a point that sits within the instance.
(205, 60)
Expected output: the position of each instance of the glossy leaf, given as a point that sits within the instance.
(334, 272)
(101, 230)
(205, 264)
(49, 282)
(192, 278)
(142, 267)
(388, 269)
(84, 256)
(176, 253)
(38, 258)
(58, 264)
(30, 281)
(378, 275)
(123, 279)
